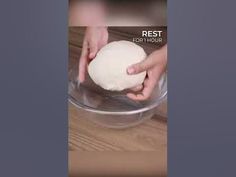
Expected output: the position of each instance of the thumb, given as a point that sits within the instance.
(93, 48)
(141, 66)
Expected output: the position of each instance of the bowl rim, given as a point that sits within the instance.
(137, 111)
(140, 110)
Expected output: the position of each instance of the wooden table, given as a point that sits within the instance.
(85, 135)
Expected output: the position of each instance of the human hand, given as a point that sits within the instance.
(154, 65)
(95, 38)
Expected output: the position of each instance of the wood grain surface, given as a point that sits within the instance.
(85, 135)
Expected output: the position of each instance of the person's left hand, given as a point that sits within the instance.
(154, 65)
(95, 38)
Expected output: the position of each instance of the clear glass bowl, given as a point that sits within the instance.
(113, 109)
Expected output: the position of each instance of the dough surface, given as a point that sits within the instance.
(109, 68)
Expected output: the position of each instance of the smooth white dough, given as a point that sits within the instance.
(109, 68)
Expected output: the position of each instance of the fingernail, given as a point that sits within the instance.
(130, 70)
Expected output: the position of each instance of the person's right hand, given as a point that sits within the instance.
(155, 65)
(95, 38)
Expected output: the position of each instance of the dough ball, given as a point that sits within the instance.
(109, 68)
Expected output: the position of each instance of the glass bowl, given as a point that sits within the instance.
(113, 109)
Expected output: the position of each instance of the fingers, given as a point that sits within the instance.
(88, 52)
(141, 66)
(93, 49)
(137, 88)
(158, 57)
(148, 85)
(148, 88)
(90, 48)
(83, 62)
